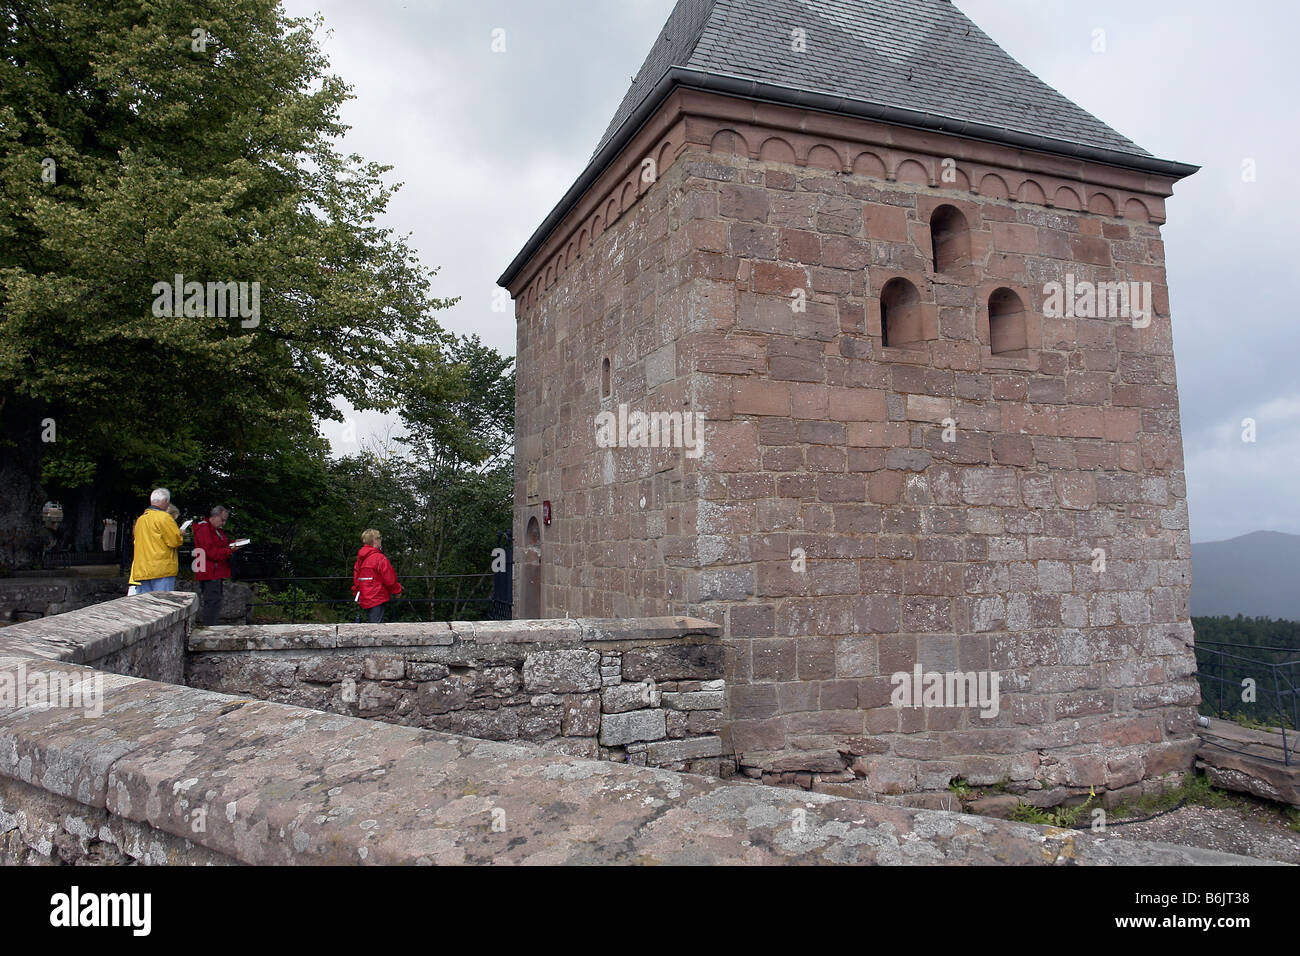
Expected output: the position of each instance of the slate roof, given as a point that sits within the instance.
(917, 63)
(919, 55)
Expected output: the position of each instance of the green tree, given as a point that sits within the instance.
(458, 409)
(1264, 650)
(144, 140)
(363, 491)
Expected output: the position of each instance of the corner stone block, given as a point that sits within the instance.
(695, 700)
(619, 729)
(673, 751)
(581, 716)
(562, 671)
(386, 667)
(673, 662)
(621, 698)
(641, 628)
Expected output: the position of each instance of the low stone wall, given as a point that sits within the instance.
(162, 773)
(29, 596)
(143, 636)
(183, 775)
(646, 692)
(37, 826)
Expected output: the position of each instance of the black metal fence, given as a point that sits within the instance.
(424, 597)
(1224, 670)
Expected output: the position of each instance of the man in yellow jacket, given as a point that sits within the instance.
(156, 541)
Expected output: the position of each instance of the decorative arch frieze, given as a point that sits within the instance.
(878, 154)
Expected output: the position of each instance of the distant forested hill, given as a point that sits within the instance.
(1250, 644)
(1256, 574)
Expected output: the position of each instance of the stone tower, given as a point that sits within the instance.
(918, 300)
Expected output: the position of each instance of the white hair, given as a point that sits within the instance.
(160, 498)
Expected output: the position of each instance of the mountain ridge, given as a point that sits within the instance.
(1255, 574)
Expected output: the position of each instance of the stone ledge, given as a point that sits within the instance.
(90, 634)
(518, 632)
(575, 632)
(675, 751)
(264, 637)
(644, 628)
(284, 785)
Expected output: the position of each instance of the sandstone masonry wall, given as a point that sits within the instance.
(644, 692)
(977, 553)
(618, 292)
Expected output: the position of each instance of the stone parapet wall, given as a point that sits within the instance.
(647, 692)
(180, 775)
(143, 636)
(29, 596)
(40, 827)
(170, 774)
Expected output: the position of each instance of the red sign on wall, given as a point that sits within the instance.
(546, 512)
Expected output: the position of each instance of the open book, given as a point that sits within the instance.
(241, 542)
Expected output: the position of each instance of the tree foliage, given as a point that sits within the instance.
(441, 493)
(212, 156)
(459, 460)
(1264, 651)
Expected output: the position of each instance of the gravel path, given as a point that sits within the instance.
(1258, 832)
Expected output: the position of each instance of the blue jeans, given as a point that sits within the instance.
(158, 584)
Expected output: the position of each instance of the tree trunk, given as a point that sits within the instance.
(83, 528)
(21, 495)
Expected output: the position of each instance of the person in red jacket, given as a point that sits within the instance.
(373, 579)
(212, 551)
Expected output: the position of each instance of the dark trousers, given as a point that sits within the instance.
(210, 594)
(375, 615)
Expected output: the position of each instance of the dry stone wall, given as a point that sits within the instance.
(644, 692)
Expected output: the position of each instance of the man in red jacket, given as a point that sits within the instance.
(373, 579)
(212, 551)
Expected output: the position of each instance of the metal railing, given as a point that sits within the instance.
(296, 595)
(1225, 666)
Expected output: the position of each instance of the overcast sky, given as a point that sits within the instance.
(486, 143)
